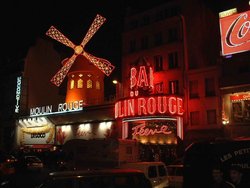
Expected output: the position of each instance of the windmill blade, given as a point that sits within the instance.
(96, 24)
(58, 36)
(61, 74)
(104, 65)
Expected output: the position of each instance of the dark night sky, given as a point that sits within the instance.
(26, 20)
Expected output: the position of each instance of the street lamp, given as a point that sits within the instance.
(119, 89)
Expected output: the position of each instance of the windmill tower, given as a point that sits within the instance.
(85, 82)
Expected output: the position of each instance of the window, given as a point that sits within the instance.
(172, 35)
(173, 60)
(211, 117)
(195, 118)
(158, 63)
(97, 85)
(152, 172)
(158, 39)
(159, 87)
(89, 83)
(209, 87)
(174, 87)
(144, 42)
(193, 89)
(72, 84)
(162, 170)
(132, 46)
(80, 83)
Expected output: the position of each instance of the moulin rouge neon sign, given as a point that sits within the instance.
(142, 77)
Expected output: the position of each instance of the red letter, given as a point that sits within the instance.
(172, 105)
(142, 106)
(151, 105)
(179, 106)
(142, 77)
(133, 77)
(131, 107)
(162, 105)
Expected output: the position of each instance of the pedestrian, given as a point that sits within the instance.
(218, 180)
(236, 176)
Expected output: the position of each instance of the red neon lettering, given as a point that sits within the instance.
(116, 110)
(179, 106)
(142, 106)
(151, 105)
(142, 78)
(151, 76)
(131, 107)
(120, 112)
(133, 80)
(172, 105)
(141, 130)
(162, 105)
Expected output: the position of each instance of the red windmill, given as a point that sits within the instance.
(104, 65)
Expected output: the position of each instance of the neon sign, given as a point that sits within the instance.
(142, 130)
(62, 108)
(142, 106)
(18, 93)
(142, 79)
(235, 33)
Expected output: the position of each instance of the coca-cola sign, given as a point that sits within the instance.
(235, 33)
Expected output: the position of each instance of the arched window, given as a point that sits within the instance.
(97, 85)
(89, 83)
(72, 84)
(80, 83)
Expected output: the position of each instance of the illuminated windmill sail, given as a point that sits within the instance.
(104, 65)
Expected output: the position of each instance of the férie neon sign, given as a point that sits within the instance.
(62, 108)
(142, 106)
(142, 130)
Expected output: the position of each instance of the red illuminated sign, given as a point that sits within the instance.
(235, 33)
(142, 106)
(240, 97)
(140, 78)
(142, 130)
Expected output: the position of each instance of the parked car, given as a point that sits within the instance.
(32, 162)
(175, 174)
(7, 165)
(156, 172)
(115, 178)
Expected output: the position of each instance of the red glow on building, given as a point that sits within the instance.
(143, 106)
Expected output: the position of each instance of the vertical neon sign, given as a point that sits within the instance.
(18, 94)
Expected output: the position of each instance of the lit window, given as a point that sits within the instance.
(72, 84)
(174, 87)
(89, 83)
(80, 83)
(97, 85)
(211, 116)
(195, 118)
